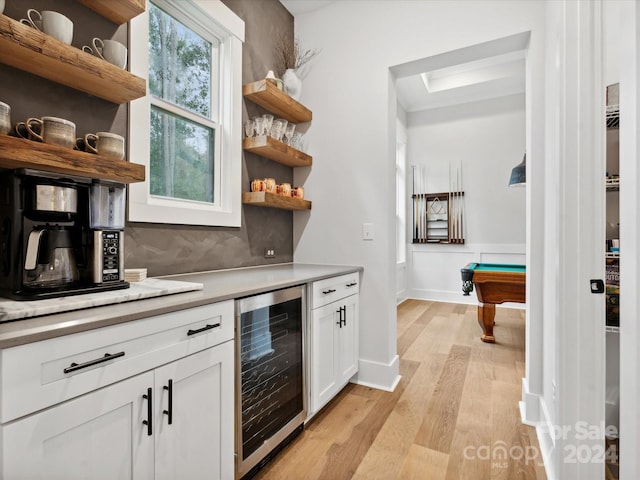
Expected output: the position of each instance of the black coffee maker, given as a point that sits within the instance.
(50, 244)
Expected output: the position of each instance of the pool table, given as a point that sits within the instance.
(495, 283)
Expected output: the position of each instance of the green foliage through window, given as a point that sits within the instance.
(181, 158)
(179, 64)
(182, 152)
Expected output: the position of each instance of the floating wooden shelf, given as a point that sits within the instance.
(118, 11)
(273, 200)
(30, 50)
(269, 96)
(269, 147)
(266, 94)
(21, 153)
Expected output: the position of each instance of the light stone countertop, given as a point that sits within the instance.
(218, 285)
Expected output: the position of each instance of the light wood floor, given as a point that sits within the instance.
(451, 417)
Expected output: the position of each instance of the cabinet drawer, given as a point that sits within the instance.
(41, 374)
(334, 288)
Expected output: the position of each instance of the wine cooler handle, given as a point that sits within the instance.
(149, 421)
(169, 411)
(203, 329)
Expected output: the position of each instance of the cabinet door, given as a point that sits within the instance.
(98, 436)
(349, 340)
(324, 355)
(199, 441)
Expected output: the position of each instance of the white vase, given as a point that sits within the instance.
(292, 84)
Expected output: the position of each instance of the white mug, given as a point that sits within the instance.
(5, 117)
(53, 130)
(111, 51)
(106, 143)
(52, 23)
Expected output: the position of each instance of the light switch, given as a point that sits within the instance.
(367, 231)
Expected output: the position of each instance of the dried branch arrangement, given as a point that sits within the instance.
(289, 54)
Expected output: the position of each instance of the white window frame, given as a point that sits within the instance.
(226, 209)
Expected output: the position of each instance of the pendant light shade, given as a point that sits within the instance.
(519, 173)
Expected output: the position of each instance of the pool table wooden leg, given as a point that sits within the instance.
(486, 316)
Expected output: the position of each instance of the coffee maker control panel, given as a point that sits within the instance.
(108, 258)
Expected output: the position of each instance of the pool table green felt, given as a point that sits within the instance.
(494, 284)
(495, 267)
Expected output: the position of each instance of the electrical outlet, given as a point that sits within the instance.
(269, 252)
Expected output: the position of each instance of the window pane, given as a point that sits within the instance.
(181, 158)
(179, 63)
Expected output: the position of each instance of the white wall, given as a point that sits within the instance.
(352, 136)
(629, 48)
(352, 181)
(572, 199)
(488, 139)
(435, 269)
(402, 204)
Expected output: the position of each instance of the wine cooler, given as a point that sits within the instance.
(270, 383)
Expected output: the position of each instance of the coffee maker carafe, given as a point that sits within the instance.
(50, 258)
(60, 235)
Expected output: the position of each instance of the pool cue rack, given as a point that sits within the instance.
(438, 217)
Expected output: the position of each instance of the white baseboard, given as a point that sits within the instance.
(378, 375)
(547, 442)
(529, 405)
(533, 412)
(401, 296)
(456, 297)
(443, 296)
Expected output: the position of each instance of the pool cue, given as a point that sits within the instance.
(420, 204)
(457, 205)
(453, 207)
(419, 197)
(450, 231)
(424, 192)
(461, 206)
(415, 205)
(454, 216)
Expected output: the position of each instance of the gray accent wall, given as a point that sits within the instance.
(170, 249)
(32, 96)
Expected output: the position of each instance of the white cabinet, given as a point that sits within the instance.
(110, 419)
(96, 436)
(199, 441)
(334, 337)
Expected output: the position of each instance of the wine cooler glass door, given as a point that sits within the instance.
(270, 383)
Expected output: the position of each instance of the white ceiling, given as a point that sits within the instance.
(297, 7)
(490, 77)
